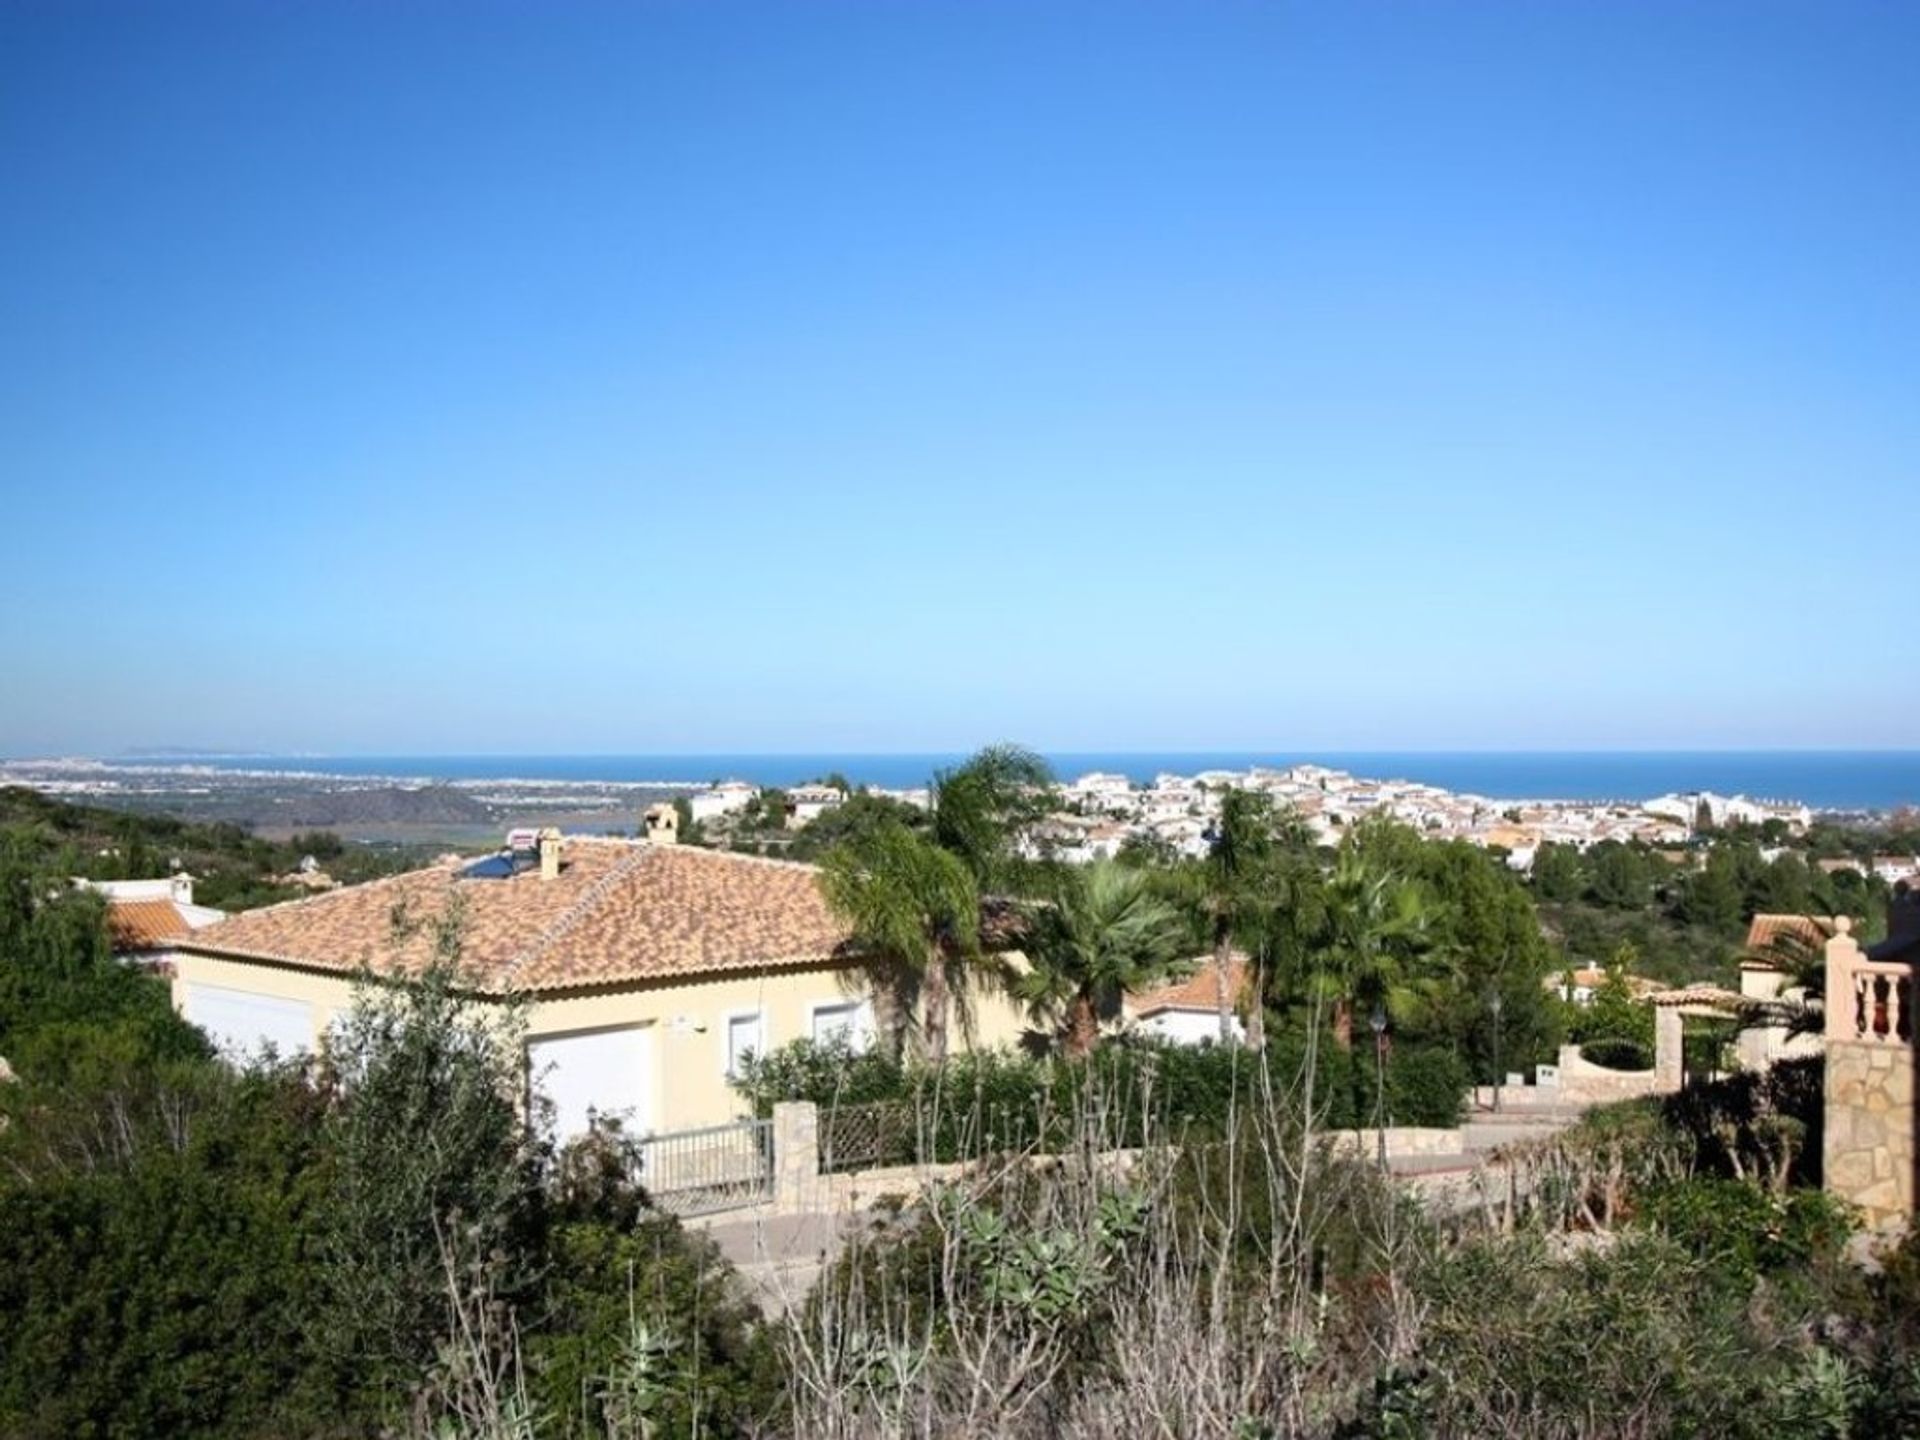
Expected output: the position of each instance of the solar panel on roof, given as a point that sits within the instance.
(494, 867)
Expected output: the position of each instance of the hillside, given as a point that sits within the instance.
(233, 868)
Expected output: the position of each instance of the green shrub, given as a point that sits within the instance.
(988, 1101)
(650, 1322)
(828, 1072)
(1640, 1338)
(427, 1154)
(1767, 1123)
(1744, 1230)
(1617, 1054)
(155, 1259)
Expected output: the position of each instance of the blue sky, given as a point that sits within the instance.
(711, 376)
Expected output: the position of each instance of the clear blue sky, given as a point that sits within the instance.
(901, 375)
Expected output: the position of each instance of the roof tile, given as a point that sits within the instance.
(618, 911)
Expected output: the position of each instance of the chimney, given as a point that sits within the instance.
(663, 823)
(549, 854)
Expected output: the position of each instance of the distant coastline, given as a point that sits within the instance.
(1840, 780)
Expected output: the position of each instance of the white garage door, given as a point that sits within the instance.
(604, 1073)
(242, 1023)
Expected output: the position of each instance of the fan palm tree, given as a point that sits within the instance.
(1377, 925)
(915, 909)
(1242, 844)
(1105, 933)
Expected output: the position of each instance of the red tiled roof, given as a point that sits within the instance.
(145, 924)
(1766, 929)
(618, 911)
(1199, 991)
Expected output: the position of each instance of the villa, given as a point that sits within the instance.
(649, 969)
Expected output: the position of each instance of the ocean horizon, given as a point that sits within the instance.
(1824, 779)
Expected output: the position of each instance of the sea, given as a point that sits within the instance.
(1845, 780)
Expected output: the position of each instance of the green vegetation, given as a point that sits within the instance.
(1685, 913)
(1149, 1239)
(233, 868)
(1103, 933)
(317, 1250)
(991, 1101)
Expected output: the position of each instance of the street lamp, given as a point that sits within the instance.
(1379, 1023)
(1496, 1003)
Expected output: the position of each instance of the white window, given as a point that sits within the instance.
(746, 1035)
(852, 1019)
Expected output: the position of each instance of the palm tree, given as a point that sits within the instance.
(1799, 953)
(1105, 933)
(915, 909)
(1242, 842)
(982, 808)
(1280, 928)
(1377, 924)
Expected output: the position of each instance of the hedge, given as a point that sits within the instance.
(1128, 1093)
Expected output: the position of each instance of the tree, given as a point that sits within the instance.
(1377, 923)
(1105, 933)
(862, 811)
(1783, 888)
(1617, 876)
(1242, 844)
(428, 1150)
(1713, 896)
(1557, 874)
(981, 808)
(915, 908)
(1282, 920)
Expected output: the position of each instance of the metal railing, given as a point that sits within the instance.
(718, 1167)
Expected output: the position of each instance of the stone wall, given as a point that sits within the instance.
(1578, 1081)
(1869, 1149)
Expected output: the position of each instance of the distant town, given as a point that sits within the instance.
(1100, 814)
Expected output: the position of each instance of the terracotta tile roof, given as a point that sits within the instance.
(618, 911)
(145, 924)
(1197, 992)
(1766, 929)
(1709, 997)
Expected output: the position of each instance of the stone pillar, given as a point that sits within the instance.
(1843, 958)
(1669, 1048)
(796, 1154)
(1867, 1152)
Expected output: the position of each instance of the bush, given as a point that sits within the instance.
(646, 1321)
(155, 1260)
(991, 1101)
(1638, 1339)
(1743, 1230)
(1618, 1054)
(1765, 1125)
(427, 1152)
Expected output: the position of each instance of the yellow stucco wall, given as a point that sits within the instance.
(689, 1017)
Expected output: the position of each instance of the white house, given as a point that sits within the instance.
(810, 802)
(1187, 1012)
(728, 798)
